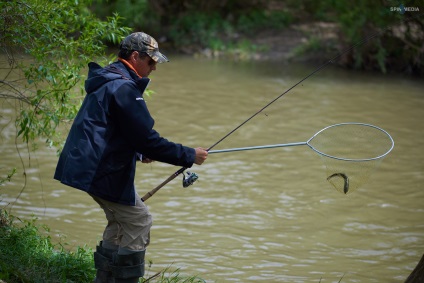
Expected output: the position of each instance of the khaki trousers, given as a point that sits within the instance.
(128, 227)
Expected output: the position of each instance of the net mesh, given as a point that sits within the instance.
(351, 152)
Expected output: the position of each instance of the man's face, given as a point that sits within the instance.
(144, 66)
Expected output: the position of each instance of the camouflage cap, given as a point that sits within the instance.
(142, 42)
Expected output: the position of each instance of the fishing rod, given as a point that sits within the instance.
(192, 177)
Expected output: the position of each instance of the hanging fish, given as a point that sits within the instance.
(346, 180)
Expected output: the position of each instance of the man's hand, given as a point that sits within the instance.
(146, 160)
(201, 155)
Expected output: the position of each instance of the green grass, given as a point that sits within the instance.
(28, 255)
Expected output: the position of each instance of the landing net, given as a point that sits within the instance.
(351, 152)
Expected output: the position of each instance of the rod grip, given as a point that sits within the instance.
(169, 179)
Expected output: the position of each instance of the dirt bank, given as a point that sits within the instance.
(293, 43)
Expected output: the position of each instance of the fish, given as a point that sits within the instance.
(346, 180)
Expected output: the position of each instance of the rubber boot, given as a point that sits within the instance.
(103, 258)
(128, 268)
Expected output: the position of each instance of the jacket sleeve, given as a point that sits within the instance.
(136, 125)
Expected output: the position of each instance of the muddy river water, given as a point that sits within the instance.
(264, 215)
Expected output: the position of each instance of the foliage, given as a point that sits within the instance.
(134, 13)
(29, 256)
(195, 26)
(8, 176)
(58, 39)
(197, 31)
(313, 45)
(400, 36)
(263, 19)
(160, 15)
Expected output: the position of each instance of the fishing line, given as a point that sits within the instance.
(192, 177)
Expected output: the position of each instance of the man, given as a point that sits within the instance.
(112, 130)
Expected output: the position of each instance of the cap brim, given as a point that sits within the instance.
(158, 57)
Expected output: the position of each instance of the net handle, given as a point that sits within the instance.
(256, 147)
(349, 159)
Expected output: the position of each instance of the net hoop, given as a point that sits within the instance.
(390, 139)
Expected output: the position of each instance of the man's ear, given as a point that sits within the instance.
(133, 57)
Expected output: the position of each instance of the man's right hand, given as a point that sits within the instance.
(201, 155)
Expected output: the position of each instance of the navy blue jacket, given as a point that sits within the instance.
(111, 128)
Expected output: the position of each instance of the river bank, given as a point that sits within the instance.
(298, 42)
(315, 42)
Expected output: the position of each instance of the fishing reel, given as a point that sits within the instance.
(189, 179)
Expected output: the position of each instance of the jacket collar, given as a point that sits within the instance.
(127, 72)
(129, 66)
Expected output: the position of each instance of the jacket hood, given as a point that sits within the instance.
(98, 76)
